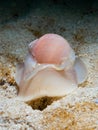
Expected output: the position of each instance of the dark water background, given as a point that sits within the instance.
(14, 9)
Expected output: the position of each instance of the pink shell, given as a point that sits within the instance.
(50, 48)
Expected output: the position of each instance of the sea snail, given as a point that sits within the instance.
(49, 69)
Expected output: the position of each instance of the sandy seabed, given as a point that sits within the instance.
(76, 111)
